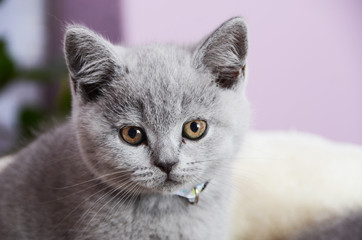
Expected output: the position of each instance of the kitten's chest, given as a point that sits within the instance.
(170, 219)
(191, 223)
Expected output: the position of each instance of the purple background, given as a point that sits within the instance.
(305, 58)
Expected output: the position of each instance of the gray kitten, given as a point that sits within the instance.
(148, 124)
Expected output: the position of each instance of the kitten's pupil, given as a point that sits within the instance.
(194, 126)
(132, 132)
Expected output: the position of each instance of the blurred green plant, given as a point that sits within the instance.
(7, 69)
(53, 82)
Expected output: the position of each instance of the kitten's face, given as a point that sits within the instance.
(159, 118)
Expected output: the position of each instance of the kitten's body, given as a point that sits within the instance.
(85, 180)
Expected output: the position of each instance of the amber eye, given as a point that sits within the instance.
(194, 129)
(132, 135)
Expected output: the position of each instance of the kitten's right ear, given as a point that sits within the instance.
(91, 62)
(224, 52)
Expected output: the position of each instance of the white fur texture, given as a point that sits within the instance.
(288, 181)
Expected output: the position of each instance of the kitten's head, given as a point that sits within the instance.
(159, 117)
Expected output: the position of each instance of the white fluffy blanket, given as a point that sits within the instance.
(287, 181)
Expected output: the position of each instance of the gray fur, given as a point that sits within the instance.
(81, 181)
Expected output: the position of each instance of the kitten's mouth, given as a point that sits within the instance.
(169, 185)
(171, 181)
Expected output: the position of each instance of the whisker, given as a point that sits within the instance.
(122, 196)
(81, 203)
(95, 179)
(85, 214)
(82, 190)
(134, 194)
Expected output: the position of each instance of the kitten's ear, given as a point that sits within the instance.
(224, 53)
(90, 60)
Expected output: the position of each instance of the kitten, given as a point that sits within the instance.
(149, 126)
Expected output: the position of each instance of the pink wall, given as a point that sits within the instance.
(305, 59)
(101, 16)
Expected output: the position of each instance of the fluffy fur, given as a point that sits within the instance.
(291, 183)
(82, 181)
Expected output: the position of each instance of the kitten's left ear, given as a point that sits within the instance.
(91, 61)
(224, 53)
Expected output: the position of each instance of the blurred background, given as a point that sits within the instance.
(305, 57)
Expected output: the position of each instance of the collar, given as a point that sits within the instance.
(192, 195)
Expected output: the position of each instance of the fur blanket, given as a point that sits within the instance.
(287, 182)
